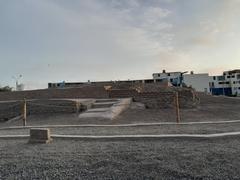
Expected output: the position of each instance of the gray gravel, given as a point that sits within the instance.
(53, 119)
(151, 159)
(217, 158)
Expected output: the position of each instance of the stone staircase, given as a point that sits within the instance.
(103, 103)
(106, 108)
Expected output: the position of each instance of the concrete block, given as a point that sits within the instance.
(40, 135)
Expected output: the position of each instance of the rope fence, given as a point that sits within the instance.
(170, 107)
(8, 110)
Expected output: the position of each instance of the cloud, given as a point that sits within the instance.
(104, 40)
(174, 61)
(205, 41)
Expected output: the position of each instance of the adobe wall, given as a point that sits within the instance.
(160, 99)
(123, 93)
(157, 99)
(14, 109)
(9, 110)
(83, 92)
(187, 98)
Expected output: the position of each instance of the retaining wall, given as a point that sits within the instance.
(13, 109)
(83, 92)
(187, 98)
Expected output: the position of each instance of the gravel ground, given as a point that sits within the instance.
(150, 159)
(156, 129)
(216, 158)
(53, 119)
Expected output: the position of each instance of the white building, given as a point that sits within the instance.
(234, 80)
(226, 84)
(200, 82)
(173, 77)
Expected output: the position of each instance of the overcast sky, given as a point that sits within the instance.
(80, 40)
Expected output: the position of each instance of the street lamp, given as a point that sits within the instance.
(16, 80)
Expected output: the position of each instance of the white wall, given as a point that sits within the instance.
(200, 82)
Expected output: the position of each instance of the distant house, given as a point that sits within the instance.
(200, 82)
(175, 78)
(99, 83)
(226, 84)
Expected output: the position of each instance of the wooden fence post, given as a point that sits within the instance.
(77, 107)
(176, 99)
(24, 112)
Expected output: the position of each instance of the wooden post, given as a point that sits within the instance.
(77, 107)
(24, 112)
(177, 107)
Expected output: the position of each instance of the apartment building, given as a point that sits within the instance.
(226, 84)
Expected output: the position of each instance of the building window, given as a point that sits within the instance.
(169, 74)
(221, 78)
(214, 77)
(227, 83)
(159, 75)
(238, 76)
(228, 76)
(171, 80)
(211, 84)
(233, 76)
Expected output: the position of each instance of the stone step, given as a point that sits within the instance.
(106, 100)
(95, 110)
(103, 104)
(110, 112)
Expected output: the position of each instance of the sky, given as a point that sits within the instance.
(80, 40)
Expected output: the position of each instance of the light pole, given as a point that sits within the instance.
(16, 80)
